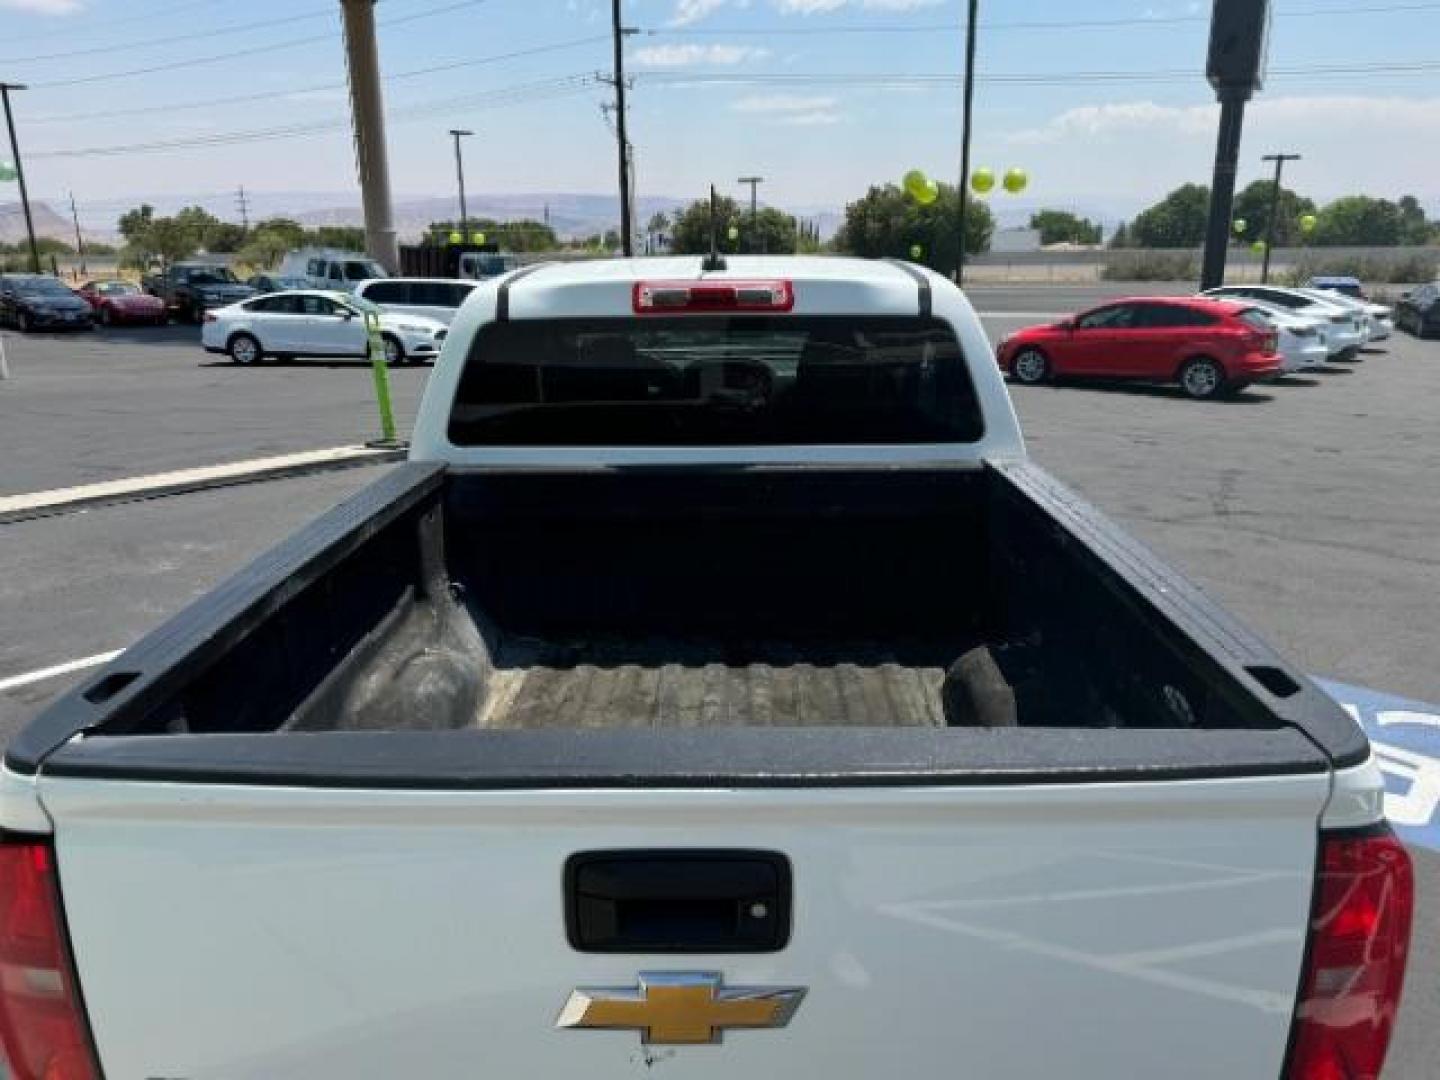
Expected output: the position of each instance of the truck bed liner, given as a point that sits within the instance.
(663, 684)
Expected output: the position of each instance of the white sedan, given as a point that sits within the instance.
(1304, 339)
(1347, 328)
(1382, 320)
(314, 323)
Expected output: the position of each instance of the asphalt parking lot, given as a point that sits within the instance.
(1310, 507)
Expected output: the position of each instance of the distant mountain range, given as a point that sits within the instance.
(47, 223)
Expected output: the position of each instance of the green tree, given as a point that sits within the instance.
(134, 223)
(267, 245)
(1252, 205)
(1359, 220)
(169, 239)
(887, 222)
(1120, 238)
(1178, 220)
(771, 230)
(344, 237)
(1415, 227)
(1061, 226)
(292, 232)
(658, 224)
(48, 245)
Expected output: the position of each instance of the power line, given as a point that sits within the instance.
(234, 54)
(265, 95)
(541, 90)
(233, 28)
(1044, 24)
(148, 17)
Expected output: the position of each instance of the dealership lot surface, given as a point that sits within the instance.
(1310, 507)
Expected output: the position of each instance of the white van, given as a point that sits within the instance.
(328, 268)
(433, 298)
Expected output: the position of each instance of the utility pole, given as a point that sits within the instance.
(754, 182)
(367, 106)
(242, 203)
(626, 245)
(5, 89)
(79, 240)
(1279, 160)
(965, 136)
(458, 134)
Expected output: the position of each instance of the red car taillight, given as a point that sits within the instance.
(42, 1024)
(1355, 965)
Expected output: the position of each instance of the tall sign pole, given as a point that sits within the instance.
(965, 135)
(458, 134)
(5, 89)
(1239, 35)
(754, 182)
(362, 57)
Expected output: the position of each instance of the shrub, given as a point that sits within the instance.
(1151, 266)
(1370, 269)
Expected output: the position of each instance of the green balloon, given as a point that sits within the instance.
(1308, 222)
(733, 233)
(1258, 247)
(917, 252)
(929, 193)
(982, 180)
(1240, 225)
(456, 238)
(1015, 181)
(477, 238)
(915, 183)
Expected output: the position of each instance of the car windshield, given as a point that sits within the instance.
(41, 286)
(211, 275)
(363, 271)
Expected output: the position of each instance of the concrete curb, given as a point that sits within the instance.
(15, 508)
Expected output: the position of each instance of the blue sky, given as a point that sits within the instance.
(804, 92)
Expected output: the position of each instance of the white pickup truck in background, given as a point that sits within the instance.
(718, 690)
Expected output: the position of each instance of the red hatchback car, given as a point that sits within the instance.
(122, 302)
(1209, 347)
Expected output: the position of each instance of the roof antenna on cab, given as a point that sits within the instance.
(713, 261)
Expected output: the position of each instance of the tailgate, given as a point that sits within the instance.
(1083, 930)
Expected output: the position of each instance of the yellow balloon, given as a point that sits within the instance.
(1015, 181)
(915, 183)
(916, 251)
(456, 238)
(928, 194)
(734, 233)
(1240, 224)
(1258, 247)
(1308, 222)
(477, 238)
(982, 180)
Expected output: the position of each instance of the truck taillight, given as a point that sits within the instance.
(661, 297)
(42, 1023)
(1355, 963)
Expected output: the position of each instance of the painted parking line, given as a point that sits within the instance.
(14, 682)
(1405, 736)
(60, 500)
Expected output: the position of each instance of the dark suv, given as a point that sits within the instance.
(1419, 311)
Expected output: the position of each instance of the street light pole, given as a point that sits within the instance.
(458, 134)
(1279, 160)
(626, 239)
(965, 135)
(5, 89)
(754, 182)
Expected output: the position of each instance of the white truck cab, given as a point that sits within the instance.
(330, 268)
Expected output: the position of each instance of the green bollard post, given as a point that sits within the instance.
(380, 370)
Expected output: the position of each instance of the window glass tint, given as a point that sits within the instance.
(275, 305)
(715, 381)
(315, 267)
(388, 292)
(432, 294)
(317, 305)
(1163, 316)
(459, 293)
(1116, 317)
(337, 272)
(359, 271)
(1256, 318)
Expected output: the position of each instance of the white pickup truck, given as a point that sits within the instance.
(718, 692)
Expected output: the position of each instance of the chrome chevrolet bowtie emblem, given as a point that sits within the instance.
(680, 1007)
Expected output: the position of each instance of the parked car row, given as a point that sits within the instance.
(1216, 343)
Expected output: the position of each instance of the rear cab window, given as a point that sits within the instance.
(716, 380)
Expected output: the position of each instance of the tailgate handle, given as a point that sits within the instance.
(677, 901)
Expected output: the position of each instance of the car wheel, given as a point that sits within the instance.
(1030, 367)
(1202, 378)
(394, 351)
(244, 349)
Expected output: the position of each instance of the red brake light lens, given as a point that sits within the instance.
(1359, 941)
(42, 1024)
(670, 297)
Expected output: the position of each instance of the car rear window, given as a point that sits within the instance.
(1256, 318)
(715, 381)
